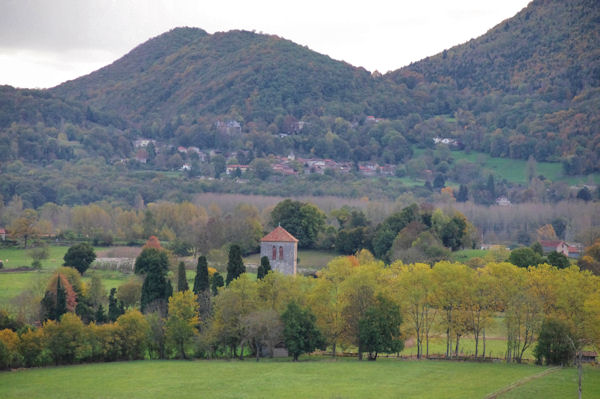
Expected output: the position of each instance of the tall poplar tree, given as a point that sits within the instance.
(182, 284)
(235, 265)
(201, 281)
(61, 300)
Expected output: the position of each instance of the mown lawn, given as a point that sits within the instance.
(560, 384)
(266, 379)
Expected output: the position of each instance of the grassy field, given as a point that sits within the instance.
(514, 170)
(17, 257)
(466, 254)
(493, 347)
(13, 283)
(561, 384)
(308, 259)
(277, 379)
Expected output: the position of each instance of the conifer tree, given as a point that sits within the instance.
(61, 300)
(264, 268)
(235, 265)
(217, 281)
(201, 281)
(100, 316)
(156, 288)
(114, 310)
(463, 194)
(182, 284)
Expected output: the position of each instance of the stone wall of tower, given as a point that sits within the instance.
(286, 255)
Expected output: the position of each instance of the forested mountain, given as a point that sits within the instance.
(530, 87)
(249, 75)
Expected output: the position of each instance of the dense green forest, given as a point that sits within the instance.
(526, 90)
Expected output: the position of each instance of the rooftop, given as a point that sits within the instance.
(279, 235)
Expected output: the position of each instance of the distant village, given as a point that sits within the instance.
(285, 165)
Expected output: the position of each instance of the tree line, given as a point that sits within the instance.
(356, 303)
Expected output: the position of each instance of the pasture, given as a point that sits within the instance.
(308, 259)
(13, 283)
(284, 379)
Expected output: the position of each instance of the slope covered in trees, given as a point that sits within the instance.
(254, 76)
(529, 88)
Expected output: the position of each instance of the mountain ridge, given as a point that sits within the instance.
(529, 87)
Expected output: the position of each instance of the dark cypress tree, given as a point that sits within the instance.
(235, 265)
(100, 316)
(217, 281)
(201, 281)
(463, 194)
(156, 288)
(491, 186)
(61, 300)
(114, 310)
(182, 284)
(264, 268)
(49, 306)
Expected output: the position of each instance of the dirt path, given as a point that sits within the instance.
(520, 382)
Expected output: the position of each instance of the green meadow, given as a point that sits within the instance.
(13, 283)
(284, 379)
(309, 259)
(515, 170)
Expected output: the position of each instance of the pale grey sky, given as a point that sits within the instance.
(46, 42)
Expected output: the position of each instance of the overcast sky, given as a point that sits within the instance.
(46, 42)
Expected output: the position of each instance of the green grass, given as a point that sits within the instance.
(17, 257)
(249, 379)
(13, 283)
(514, 170)
(560, 384)
(493, 347)
(308, 258)
(466, 254)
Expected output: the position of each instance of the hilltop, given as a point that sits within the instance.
(527, 89)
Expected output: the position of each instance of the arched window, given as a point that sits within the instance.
(274, 257)
(280, 253)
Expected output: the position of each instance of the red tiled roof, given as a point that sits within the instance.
(279, 235)
(551, 243)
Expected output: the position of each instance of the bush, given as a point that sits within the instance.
(554, 344)
(80, 256)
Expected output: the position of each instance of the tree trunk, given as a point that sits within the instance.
(579, 372)
(447, 341)
(333, 354)
(257, 352)
(476, 344)
(242, 352)
(457, 343)
(484, 344)
(182, 349)
(427, 345)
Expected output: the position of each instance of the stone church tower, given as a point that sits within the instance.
(282, 250)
